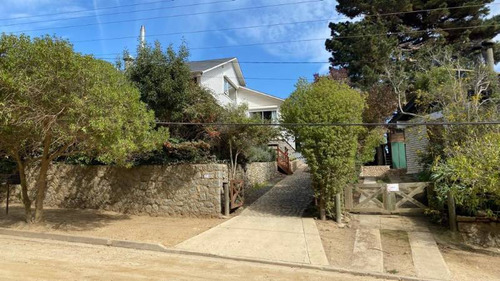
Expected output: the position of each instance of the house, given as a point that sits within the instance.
(224, 78)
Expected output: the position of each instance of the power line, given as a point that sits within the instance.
(172, 16)
(118, 13)
(103, 56)
(86, 10)
(333, 124)
(205, 30)
(166, 34)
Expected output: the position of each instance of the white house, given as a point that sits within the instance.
(223, 77)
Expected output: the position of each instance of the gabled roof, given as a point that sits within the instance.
(206, 65)
(201, 67)
(263, 94)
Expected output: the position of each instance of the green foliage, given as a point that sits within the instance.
(240, 139)
(193, 151)
(472, 173)
(464, 160)
(7, 166)
(330, 151)
(167, 87)
(369, 141)
(55, 102)
(261, 153)
(365, 57)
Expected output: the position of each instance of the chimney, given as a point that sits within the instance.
(143, 36)
(487, 52)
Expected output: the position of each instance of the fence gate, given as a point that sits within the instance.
(382, 198)
(236, 193)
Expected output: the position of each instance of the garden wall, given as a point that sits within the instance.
(176, 190)
(482, 231)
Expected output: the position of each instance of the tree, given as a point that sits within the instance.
(55, 102)
(391, 30)
(167, 87)
(465, 160)
(330, 151)
(240, 139)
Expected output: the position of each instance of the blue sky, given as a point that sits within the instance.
(170, 18)
(97, 27)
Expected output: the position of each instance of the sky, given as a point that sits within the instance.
(83, 22)
(105, 28)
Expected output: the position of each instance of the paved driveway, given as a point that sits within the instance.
(271, 229)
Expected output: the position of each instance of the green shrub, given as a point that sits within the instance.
(261, 154)
(472, 174)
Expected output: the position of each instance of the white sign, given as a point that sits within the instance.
(393, 187)
(208, 176)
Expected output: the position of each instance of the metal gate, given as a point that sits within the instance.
(382, 198)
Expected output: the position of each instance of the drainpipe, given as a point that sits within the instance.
(487, 52)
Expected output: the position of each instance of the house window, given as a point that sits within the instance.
(265, 115)
(227, 87)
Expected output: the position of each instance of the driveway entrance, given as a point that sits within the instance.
(271, 229)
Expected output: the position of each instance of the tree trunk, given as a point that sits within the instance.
(41, 187)
(24, 189)
(322, 207)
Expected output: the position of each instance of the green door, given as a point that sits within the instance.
(398, 153)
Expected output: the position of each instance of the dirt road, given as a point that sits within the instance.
(24, 259)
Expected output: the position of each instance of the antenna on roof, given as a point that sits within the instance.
(143, 36)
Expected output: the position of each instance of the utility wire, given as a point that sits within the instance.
(325, 38)
(263, 25)
(246, 8)
(173, 16)
(118, 13)
(86, 10)
(334, 124)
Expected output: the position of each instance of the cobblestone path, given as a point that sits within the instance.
(288, 198)
(270, 229)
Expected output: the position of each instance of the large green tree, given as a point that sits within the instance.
(330, 151)
(55, 102)
(397, 29)
(167, 87)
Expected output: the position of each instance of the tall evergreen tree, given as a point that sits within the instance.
(398, 29)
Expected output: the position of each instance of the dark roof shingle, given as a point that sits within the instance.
(200, 66)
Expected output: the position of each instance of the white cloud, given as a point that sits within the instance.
(308, 51)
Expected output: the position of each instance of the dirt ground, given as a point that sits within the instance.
(94, 223)
(397, 252)
(338, 243)
(466, 265)
(32, 259)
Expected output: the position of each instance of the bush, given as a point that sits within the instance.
(187, 151)
(472, 174)
(261, 154)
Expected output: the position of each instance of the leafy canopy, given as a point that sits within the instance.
(167, 87)
(55, 102)
(330, 151)
(389, 27)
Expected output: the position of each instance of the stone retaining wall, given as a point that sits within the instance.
(176, 190)
(260, 172)
(484, 232)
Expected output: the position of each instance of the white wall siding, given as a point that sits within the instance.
(214, 81)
